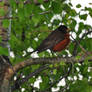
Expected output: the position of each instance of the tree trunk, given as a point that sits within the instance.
(4, 61)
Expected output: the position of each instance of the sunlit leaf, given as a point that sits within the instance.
(78, 6)
(84, 16)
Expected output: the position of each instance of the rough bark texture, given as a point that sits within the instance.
(4, 65)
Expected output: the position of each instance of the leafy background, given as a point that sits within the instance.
(31, 23)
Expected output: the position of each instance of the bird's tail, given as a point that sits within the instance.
(29, 53)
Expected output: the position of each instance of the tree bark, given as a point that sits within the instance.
(4, 35)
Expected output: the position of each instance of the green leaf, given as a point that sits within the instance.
(56, 22)
(13, 4)
(28, 10)
(90, 13)
(87, 26)
(84, 16)
(71, 46)
(44, 27)
(55, 71)
(78, 57)
(50, 65)
(70, 4)
(46, 5)
(86, 61)
(56, 7)
(34, 67)
(40, 1)
(32, 80)
(81, 27)
(4, 51)
(62, 63)
(89, 9)
(36, 19)
(2, 12)
(21, 4)
(5, 23)
(36, 10)
(73, 13)
(88, 45)
(72, 23)
(1, 3)
(56, 65)
(80, 86)
(0, 38)
(21, 15)
(78, 6)
(45, 83)
(66, 8)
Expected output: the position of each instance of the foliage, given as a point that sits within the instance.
(30, 22)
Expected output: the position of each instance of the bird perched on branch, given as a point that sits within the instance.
(56, 41)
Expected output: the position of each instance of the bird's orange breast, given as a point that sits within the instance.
(62, 45)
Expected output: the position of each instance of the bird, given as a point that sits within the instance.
(56, 41)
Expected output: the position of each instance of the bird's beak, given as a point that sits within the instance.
(68, 30)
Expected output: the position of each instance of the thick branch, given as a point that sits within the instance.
(49, 60)
(4, 60)
(53, 60)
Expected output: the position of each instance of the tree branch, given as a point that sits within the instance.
(34, 61)
(7, 17)
(76, 44)
(49, 60)
(18, 83)
(27, 2)
(56, 81)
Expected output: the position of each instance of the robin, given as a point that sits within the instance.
(56, 41)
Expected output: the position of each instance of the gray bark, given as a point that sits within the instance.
(4, 62)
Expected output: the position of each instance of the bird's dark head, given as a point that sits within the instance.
(63, 29)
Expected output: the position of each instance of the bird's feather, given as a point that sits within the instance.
(52, 39)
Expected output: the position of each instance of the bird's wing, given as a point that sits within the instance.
(52, 39)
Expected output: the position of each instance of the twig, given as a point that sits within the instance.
(21, 81)
(8, 18)
(76, 44)
(55, 82)
(44, 67)
(42, 13)
(80, 46)
(85, 34)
